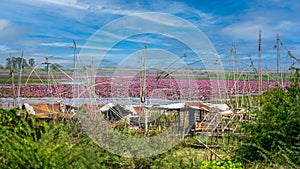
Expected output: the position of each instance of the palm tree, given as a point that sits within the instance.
(8, 62)
(31, 62)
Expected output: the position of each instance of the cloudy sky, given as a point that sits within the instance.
(43, 28)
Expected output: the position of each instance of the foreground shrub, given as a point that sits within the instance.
(28, 143)
(274, 137)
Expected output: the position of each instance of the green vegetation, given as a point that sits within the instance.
(26, 142)
(274, 137)
(16, 63)
(38, 76)
(32, 80)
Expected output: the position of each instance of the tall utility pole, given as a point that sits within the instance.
(76, 74)
(236, 76)
(260, 68)
(279, 70)
(75, 53)
(144, 73)
(11, 73)
(20, 76)
(143, 88)
(233, 59)
(47, 63)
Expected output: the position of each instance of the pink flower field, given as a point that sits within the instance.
(170, 89)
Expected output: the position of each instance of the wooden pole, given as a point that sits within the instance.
(144, 92)
(12, 79)
(20, 75)
(143, 89)
(233, 56)
(260, 67)
(75, 79)
(279, 68)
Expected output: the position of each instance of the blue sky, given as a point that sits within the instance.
(47, 27)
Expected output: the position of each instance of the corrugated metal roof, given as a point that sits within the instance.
(227, 112)
(173, 106)
(221, 107)
(107, 107)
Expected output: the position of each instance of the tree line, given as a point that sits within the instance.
(19, 62)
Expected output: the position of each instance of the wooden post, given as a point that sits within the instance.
(12, 80)
(20, 76)
(260, 68)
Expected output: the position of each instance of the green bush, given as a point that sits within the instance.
(28, 143)
(274, 137)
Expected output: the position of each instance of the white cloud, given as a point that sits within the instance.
(67, 7)
(108, 35)
(57, 44)
(116, 11)
(144, 40)
(64, 3)
(166, 20)
(98, 48)
(4, 48)
(4, 23)
(247, 29)
(10, 32)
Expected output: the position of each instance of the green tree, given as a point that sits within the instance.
(11, 61)
(31, 62)
(21, 62)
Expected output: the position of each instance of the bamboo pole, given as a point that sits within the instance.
(279, 64)
(20, 75)
(12, 79)
(260, 67)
